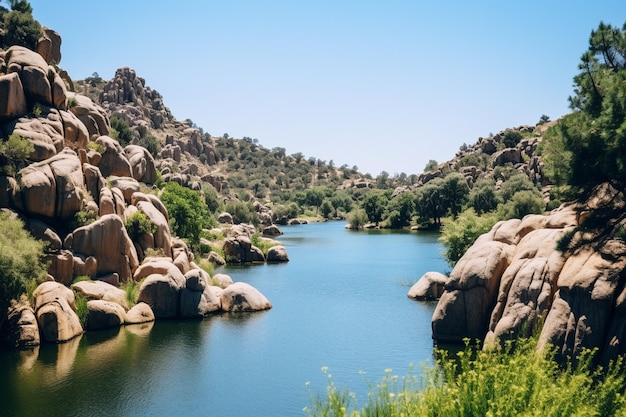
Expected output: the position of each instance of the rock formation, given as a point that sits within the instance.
(514, 280)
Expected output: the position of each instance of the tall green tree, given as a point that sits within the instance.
(428, 202)
(375, 204)
(594, 135)
(187, 211)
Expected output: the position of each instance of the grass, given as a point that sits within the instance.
(500, 382)
(131, 288)
(80, 301)
(263, 244)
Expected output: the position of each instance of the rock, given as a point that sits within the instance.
(44, 232)
(104, 314)
(127, 185)
(74, 131)
(272, 230)
(33, 72)
(196, 280)
(49, 46)
(12, 98)
(197, 304)
(509, 155)
(106, 239)
(85, 266)
(140, 313)
(161, 289)
(94, 182)
(277, 254)
(161, 239)
(100, 290)
(52, 188)
(216, 258)
(61, 266)
(93, 117)
(240, 297)
(54, 308)
(142, 164)
(221, 280)
(22, 327)
(225, 218)
(429, 287)
(240, 250)
(114, 160)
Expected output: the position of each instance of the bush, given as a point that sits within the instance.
(137, 224)
(20, 28)
(458, 235)
(241, 212)
(151, 144)
(13, 154)
(120, 131)
(357, 218)
(187, 210)
(498, 382)
(523, 203)
(21, 260)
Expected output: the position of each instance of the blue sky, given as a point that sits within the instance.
(386, 86)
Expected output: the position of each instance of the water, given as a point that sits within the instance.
(339, 303)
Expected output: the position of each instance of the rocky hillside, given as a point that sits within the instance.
(82, 193)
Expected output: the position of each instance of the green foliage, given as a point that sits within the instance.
(458, 235)
(82, 218)
(20, 28)
(80, 302)
(261, 243)
(96, 146)
(401, 209)
(13, 154)
(431, 165)
(483, 197)
(497, 382)
(21, 260)
(454, 193)
(375, 204)
(241, 212)
(327, 209)
(515, 183)
(211, 198)
(131, 291)
(357, 218)
(151, 144)
(187, 210)
(594, 135)
(120, 131)
(523, 203)
(428, 202)
(511, 138)
(288, 211)
(137, 224)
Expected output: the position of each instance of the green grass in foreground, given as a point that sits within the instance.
(500, 382)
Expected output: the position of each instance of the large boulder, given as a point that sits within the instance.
(22, 328)
(113, 160)
(104, 314)
(52, 188)
(55, 311)
(239, 249)
(93, 117)
(139, 313)
(100, 290)
(241, 297)
(162, 287)
(161, 238)
(142, 164)
(277, 254)
(106, 239)
(429, 287)
(12, 98)
(33, 72)
(49, 46)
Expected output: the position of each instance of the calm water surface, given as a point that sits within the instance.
(339, 303)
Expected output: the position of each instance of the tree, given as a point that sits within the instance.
(21, 261)
(428, 202)
(374, 205)
(315, 196)
(326, 209)
(401, 209)
(431, 165)
(454, 193)
(458, 235)
(187, 210)
(483, 197)
(595, 133)
(357, 218)
(20, 28)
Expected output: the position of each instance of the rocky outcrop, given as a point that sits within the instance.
(239, 249)
(104, 314)
(277, 254)
(241, 297)
(106, 240)
(100, 290)
(429, 287)
(140, 313)
(55, 311)
(514, 279)
(22, 329)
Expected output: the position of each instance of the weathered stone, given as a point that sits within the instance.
(127, 185)
(107, 240)
(100, 290)
(54, 308)
(225, 218)
(114, 160)
(23, 330)
(277, 254)
(240, 297)
(12, 98)
(92, 116)
(140, 313)
(104, 314)
(429, 287)
(221, 280)
(142, 164)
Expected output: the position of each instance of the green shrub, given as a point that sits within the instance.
(21, 260)
(137, 224)
(151, 144)
(82, 218)
(241, 212)
(120, 131)
(263, 244)
(458, 235)
(187, 210)
(523, 203)
(13, 154)
(80, 301)
(357, 218)
(131, 290)
(20, 28)
(497, 382)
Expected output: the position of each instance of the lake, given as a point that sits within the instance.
(339, 303)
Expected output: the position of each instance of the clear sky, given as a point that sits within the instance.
(384, 85)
